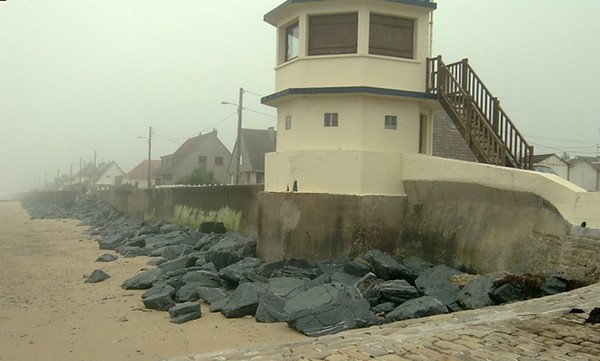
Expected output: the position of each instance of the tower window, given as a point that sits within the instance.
(292, 41)
(288, 122)
(331, 120)
(333, 34)
(391, 36)
(391, 122)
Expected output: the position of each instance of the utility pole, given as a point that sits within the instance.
(149, 157)
(94, 180)
(238, 141)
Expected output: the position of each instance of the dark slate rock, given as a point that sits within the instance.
(130, 252)
(231, 249)
(175, 251)
(209, 267)
(138, 241)
(203, 278)
(416, 308)
(143, 280)
(179, 263)
(553, 285)
(330, 267)
(475, 294)
(159, 288)
(357, 267)
(218, 305)
(156, 261)
(297, 272)
(508, 292)
(246, 270)
(345, 278)
(159, 301)
(156, 241)
(367, 287)
(414, 267)
(244, 300)
(280, 290)
(188, 292)
(212, 227)
(112, 242)
(107, 257)
(326, 310)
(594, 316)
(148, 229)
(97, 276)
(385, 307)
(437, 282)
(206, 241)
(396, 291)
(212, 295)
(169, 228)
(267, 269)
(384, 265)
(185, 312)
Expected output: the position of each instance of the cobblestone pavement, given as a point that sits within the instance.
(540, 329)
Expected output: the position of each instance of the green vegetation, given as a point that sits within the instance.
(199, 176)
(192, 217)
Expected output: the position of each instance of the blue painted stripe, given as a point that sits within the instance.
(347, 90)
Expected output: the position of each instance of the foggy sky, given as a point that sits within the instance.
(78, 76)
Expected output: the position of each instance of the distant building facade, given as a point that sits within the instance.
(255, 144)
(138, 176)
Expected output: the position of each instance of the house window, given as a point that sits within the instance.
(202, 160)
(219, 161)
(333, 34)
(331, 119)
(292, 41)
(288, 122)
(391, 122)
(391, 36)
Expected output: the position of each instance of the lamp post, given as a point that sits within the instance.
(238, 140)
(149, 156)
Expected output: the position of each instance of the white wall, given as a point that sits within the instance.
(584, 175)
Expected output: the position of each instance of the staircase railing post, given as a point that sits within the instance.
(496, 115)
(464, 81)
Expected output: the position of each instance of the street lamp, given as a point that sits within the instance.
(149, 156)
(238, 140)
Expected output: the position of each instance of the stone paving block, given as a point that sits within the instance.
(354, 354)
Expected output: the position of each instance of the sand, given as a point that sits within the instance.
(48, 312)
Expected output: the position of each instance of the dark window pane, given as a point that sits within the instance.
(333, 34)
(391, 36)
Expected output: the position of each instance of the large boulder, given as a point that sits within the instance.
(327, 309)
(476, 294)
(231, 249)
(179, 263)
(437, 282)
(212, 227)
(244, 300)
(367, 286)
(203, 278)
(188, 292)
(415, 266)
(396, 291)
(159, 301)
(246, 270)
(175, 251)
(280, 290)
(107, 257)
(112, 242)
(416, 308)
(384, 265)
(159, 288)
(143, 280)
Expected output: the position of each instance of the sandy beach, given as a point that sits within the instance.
(48, 312)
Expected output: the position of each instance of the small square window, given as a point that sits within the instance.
(391, 122)
(219, 161)
(202, 160)
(331, 119)
(288, 122)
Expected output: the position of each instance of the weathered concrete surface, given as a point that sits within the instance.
(162, 204)
(317, 226)
(540, 329)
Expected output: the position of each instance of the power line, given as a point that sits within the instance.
(257, 112)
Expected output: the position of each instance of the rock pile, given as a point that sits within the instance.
(322, 298)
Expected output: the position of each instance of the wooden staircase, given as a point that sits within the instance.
(486, 128)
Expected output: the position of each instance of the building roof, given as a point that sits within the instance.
(102, 168)
(447, 141)
(256, 142)
(140, 171)
(429, 4)
(594, 162)
(538, 158)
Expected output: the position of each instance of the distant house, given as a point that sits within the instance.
(86, 174)
(447, 141)
(585, 172)
(255, 144)
(204, 150)
(138, 176)
(108, 175)
(558, 165)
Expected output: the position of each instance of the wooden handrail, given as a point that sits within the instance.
(516, 152)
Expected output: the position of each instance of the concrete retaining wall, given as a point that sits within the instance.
(236, 206)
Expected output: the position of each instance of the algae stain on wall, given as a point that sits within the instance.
(192, 217)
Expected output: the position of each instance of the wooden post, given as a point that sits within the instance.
(495, 114)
